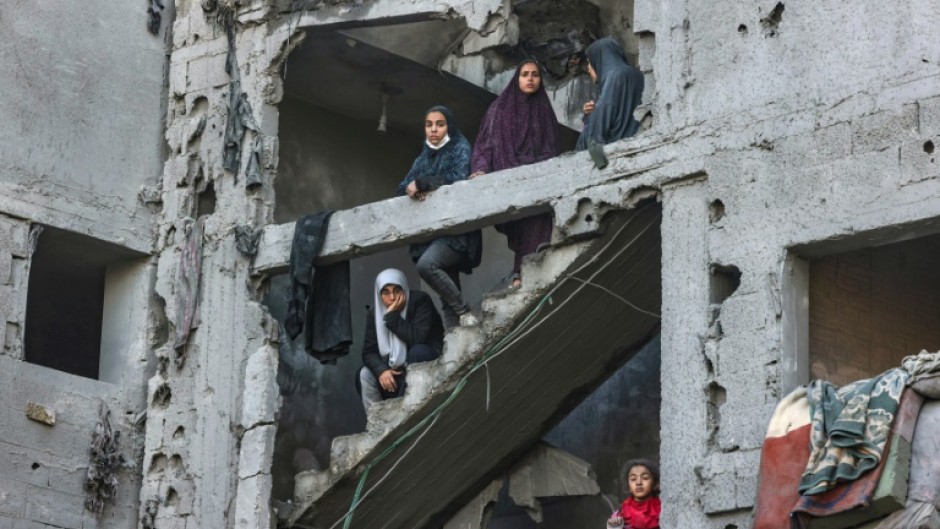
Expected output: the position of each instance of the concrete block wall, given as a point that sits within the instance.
(870, 308)
(807, 157)
(43, 468)
(80, 135)
(81, 120)
(802, 194)
(212, 403)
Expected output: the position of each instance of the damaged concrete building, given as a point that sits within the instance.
(775, 221)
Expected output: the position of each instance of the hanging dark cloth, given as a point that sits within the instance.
(239, 120)
(620, 91)
(319, 295)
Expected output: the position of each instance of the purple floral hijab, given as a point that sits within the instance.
(517, 129)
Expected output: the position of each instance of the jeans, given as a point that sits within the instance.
(371, 390)
(439, 267)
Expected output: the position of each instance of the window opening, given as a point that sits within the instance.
(70, 277)
(870, 308)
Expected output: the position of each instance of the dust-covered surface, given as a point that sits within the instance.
(776, 135)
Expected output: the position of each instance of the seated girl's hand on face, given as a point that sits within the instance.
(398, 304)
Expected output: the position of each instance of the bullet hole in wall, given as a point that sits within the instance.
(179, 433)
(742, 29)
(158, 463)
(771, 22)
(161, 396)
(724, 281)
(35, 466)
(717, 394)
(928, 147)
(207, 200)
(716, 211)
(172, 497)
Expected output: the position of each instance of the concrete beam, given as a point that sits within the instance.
(473, 204)
(101, 219)
(387, 12)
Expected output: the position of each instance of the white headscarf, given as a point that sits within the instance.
(390, 346)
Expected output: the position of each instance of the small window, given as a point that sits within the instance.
(65, 304)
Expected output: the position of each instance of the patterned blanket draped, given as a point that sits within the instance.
(844, 434)
(850, 428)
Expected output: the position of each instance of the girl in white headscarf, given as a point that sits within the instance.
(405, 328)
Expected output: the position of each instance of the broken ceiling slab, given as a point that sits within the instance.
(546, 472)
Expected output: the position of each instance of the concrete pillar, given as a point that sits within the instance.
(685, 308)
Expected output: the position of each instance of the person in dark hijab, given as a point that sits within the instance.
(620, 90)
(519, 128)
(445, 159)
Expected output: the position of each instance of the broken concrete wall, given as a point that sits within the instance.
(80, 135)
(14, 276)
(549, 31)
(213, 401)
(806, 153)
(43, 467)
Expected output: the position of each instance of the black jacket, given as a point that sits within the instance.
(423, 326)
(318, 301)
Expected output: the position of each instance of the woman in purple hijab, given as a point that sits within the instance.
(519, 128)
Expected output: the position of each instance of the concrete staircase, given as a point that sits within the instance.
(586, 306)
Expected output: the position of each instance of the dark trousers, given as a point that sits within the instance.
(439, 267)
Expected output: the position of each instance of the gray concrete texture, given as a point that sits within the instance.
(81, 117)
(81, 132)
(814, 128)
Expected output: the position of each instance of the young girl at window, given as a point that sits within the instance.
(641, 509)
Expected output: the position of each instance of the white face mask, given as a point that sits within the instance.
(439, 145)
